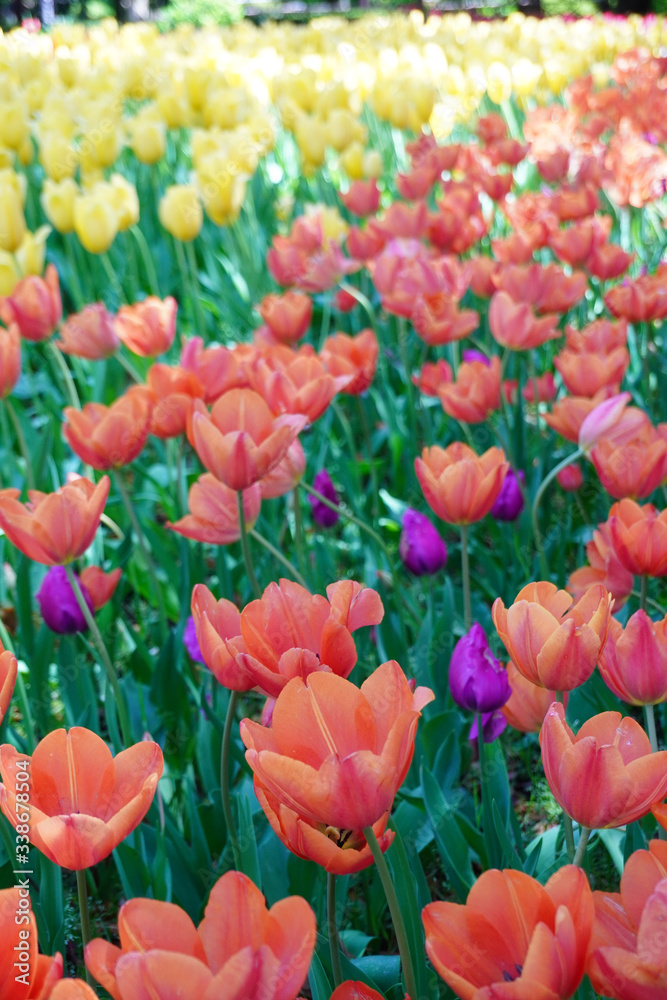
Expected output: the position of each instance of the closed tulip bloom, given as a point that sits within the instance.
(460, 486)
(552, 642)
(605, 568)
(612, 420)
(58, 200)
(34, 306)
(421, 548)
(601, 336)
(340, 852)
(148, 328)
(570, 478)
(633, 663)
(287, 316)
(585, 374)
(356, 357)
(240, 949)
(437, 319)
(510, 502)
(336, 753)
(214, 513)
(475, 393)
(285, 476)
(12, 227)
(181, 213)
(25, 974)
(54, 528)
(90, 333)
(174, 390)
(108, 437)
(528, 704)
(299, 384)
(72, 989)
(514, 325)
(362, 198)
(241, 439)
(477, 681)
(433, 376)
(10, 358)
(324, 515)
(8, 675)
(218, 630)
(101, 586)
(606, 775)
(639, 537)
(95, 221)
(568, 414)
(83, 802)
(632, 469)
(58, 604)
(513, 938)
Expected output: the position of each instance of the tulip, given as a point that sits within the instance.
(149, 142)
(241, 440)
(58, 604)
(8, 675)
(101, 586)
(218, 631)
(570, 478)
(340, 852)
(214, 513)
(544, 386)
(359, 747)
(352, 990)
(601, 336)
(610, 420)
(362, 198)
(513, 937)
(54, 528)
(241, 949)
(421, 548)
(606, 775)
(125, 200)
(605, 568)
(322, 514)
(569, 413)
(493, 724)
(432, 377)
(437, 319)
(475, 393)
(286, 475)
(458, 485)
(31, 254)
(585, 374)
(108, 437)
(58, 200)
(509, 502)
(12, 228)
(296, 384)
(639, 537)
(10, 358)
(90, 333)
(148, 328)
(477, 681)
(95, 221)
(26, 975)
(288, 316)
(83, 802)
(181, 213)
(355, 357)
(552, 642)
(34, 306)
(72, 989)
(632, 469)
(644, 643)
(515, 327)
(217, 368)
(174, 390)
(528, 703)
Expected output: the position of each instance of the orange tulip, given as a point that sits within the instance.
(571, 478)
(633, 663)
(241, 440)
(90, 333)
(639, 536)
(545, 386)
(174, 390)
(608, 261)
(218, 369)
(24, 973)
(569, 413)
(362, 198)
(433, 376)
(635, 468)
(218, 629)
(335, 753)
(551, 641)
(356, 357)
(606, 775)
(296, 383)
(54, 528)
(458, 485)
(241, 950)
(553, 166)
(601, 336)
(605, 568)
(475, 394)
(528, 703)
(214, 514)
(517, 248)
(352, 990)
(481, 272)
(108, 437)
(437, 319)
(8, 675)
(100, 585)
(577, 202)
(284, 477)
(514, 325)
(72, 989)
(640, 301)
(614, 420)
(82, 801)
(10, 359)
(288, 315)
(34, 306)
(341, 852)
(547, 289)
(416, 184)
(401, 221)
(148, 328)
(514, 938)
(587, 374)
(575, 244)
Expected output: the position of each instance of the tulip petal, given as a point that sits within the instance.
(161, 975)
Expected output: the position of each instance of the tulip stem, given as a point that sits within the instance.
(194, 287)
(649, 714)
(332, 928)
(369, 455)
(232, 832)
(536, 507)
(150, 566)
(151, 273)
(643, 593)
(23, 447)
(61, 365)
(129, 368)
(584, 834)
(298, 532)
(112, 677)
(465, 571)
(277, 554)
(86, 932)
(395, 911)
(246, 548)
(112, 277)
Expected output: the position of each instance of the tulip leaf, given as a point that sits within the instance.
(532, 859)
(634, 839)
(320, 987)
(51, 929)
(248, 841)
(613, 840)
(452, 846)
(405, 884)
(508, 855)
(134, 874)
(380, 972)
(355, 942)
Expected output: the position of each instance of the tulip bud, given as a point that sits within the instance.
(477, 681)
(510, 500)
(95, 222)
(58, 203)
(181, 212)
(323, 515)
(58, 604)
(570, 478)
(602, 420)
(421, 548)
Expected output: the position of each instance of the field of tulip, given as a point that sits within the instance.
(333, 655)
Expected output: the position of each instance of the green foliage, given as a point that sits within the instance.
(200, 13)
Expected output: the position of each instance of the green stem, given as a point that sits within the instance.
(369, 455)
(409, 388)
(112, 677)
(129, 368)
(567, 822)
(147, 258)
(465, 570)
(277, 554)
(395, 911)
(332, 929)
(643, 593)
(649, 602)
(232, 832)
(584, 834)
(23, 447)
(298, 533)
(86, 932)
(649, 714)
(62, 367)
(536, 507)
(195, 290)
(112, 277)
(351, 447)
(246, 548)
(134, 520)
(487, 804)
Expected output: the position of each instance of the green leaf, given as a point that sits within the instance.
(452, 846)
(320, 987)
(247, 841)
(509, 857)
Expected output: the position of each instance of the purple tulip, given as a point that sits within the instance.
(323, 515)
(471, 355)
(421, 548)
(493, 724)
(191, 642)
(58, 604)
(476, 679)
(509, 502)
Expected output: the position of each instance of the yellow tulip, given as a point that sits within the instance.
(57, 200)
(9, 273)
(149, 140)
(58, 156)
(12, 220)
(125, 200)
(222, 189)
(95, 221)
(498, 82)
(14, 127)
(181, 212)
(311, 138)
(30, 256)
